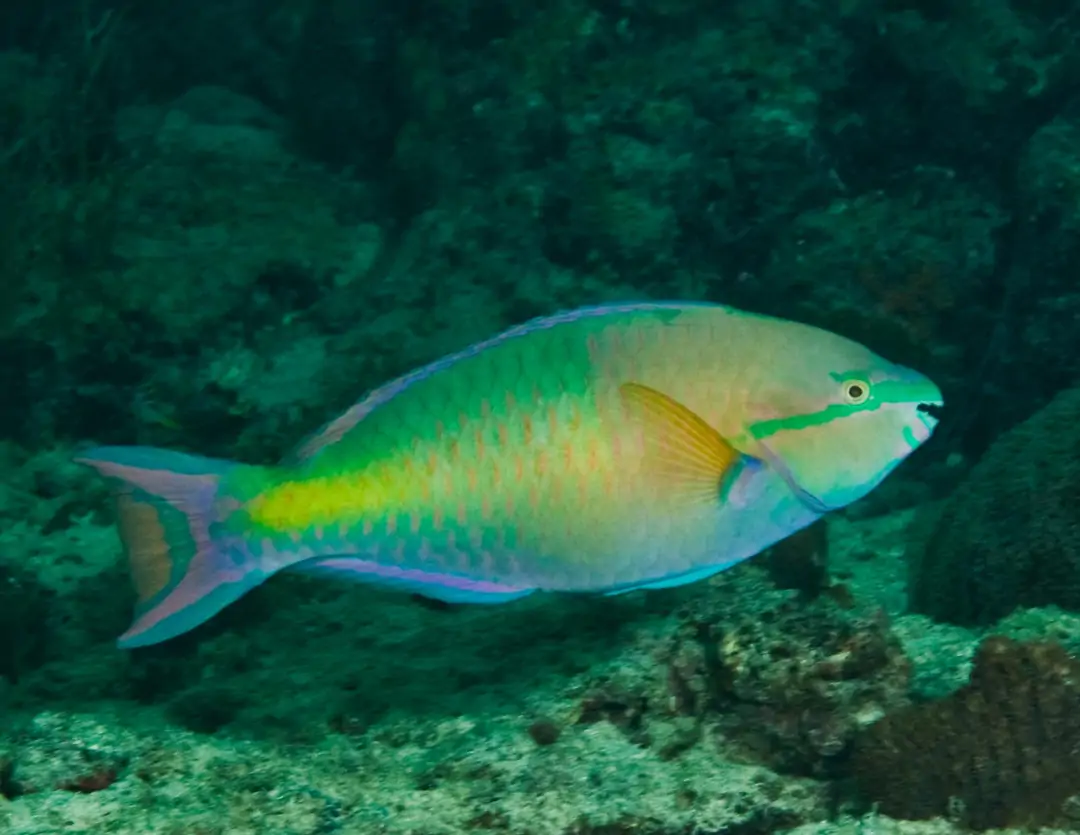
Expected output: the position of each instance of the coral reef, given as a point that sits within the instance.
(1008, 536)
(450, 778)
(23, 610)
(222, 221)
(792, 686)
(1002, 751)
(998, 55)
(1043, 300)
(55, 752)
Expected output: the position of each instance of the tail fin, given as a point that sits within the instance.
(185, 567)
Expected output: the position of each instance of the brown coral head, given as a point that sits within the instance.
(1004, 750)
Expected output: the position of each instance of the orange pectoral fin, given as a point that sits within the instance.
(686, 458)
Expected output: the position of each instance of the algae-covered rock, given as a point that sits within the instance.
(68, 753)
(1010, 534)
(998, 54)
(23, 607)
(1004, 750)
(792, 686)
(1045, 295)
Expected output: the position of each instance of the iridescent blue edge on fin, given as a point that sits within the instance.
(448, 588)
(167, 511)
(684, 579)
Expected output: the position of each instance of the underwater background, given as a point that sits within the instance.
(223, 221)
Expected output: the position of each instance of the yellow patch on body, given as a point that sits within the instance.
(302, 504)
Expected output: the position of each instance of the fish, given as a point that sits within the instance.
(601, 450)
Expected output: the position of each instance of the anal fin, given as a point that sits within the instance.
(672, 581)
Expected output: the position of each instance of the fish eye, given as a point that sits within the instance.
(855, 392)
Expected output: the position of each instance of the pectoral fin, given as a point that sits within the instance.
(684, 455)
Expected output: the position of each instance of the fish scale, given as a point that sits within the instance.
(480, 455)
(640, 445)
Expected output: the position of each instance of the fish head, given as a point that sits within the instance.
(837, 419)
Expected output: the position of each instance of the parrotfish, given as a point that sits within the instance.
(602, 450)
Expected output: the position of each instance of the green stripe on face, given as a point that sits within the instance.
(767, 428)
(881, 393)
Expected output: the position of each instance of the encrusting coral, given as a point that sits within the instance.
(1004, 750)
(1008, 536)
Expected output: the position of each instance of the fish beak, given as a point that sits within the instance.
(930, 413)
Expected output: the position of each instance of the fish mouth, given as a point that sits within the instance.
(929, 413)
(931, 409)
